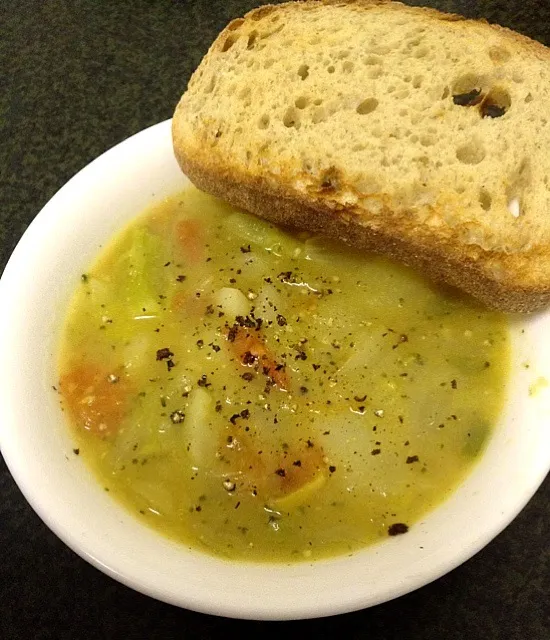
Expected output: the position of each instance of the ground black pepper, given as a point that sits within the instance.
(249, 358)
(203, 381)
(164, 353)
(397, 529)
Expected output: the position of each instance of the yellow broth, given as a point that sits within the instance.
(269, 396)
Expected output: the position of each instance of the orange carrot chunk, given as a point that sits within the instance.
(252, 351)
(95, 398)
(189, 234)
(269, 473)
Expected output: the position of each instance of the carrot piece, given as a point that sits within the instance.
(179, 300)
(95, 399)
(273, 475)
(189, 234)
(297, 467)
(244, 464)
(252, 351)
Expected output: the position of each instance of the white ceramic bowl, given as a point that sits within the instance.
(36, 444)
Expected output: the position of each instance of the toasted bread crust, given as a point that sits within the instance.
(283, 208)
(501, 279)
(524, 41)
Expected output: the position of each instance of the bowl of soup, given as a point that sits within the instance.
(252, 421)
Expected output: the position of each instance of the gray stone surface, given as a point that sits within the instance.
(76, 77)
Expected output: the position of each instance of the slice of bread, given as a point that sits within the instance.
(397, 129)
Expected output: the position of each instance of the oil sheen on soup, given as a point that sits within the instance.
(269, 396)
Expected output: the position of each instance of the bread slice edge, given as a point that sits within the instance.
(440, 263)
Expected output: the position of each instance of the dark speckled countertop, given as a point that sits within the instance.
(76, 77)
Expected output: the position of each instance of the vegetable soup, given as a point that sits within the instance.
(271, 396)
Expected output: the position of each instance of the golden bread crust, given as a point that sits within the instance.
(440, 265)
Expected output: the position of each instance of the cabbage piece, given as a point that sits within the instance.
(199, 432)
(143, 263)
(254, 231)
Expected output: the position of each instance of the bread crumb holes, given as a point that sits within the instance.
(496, 103)
(210, 86)
(303, 71)
(367, 106)
(485, 199)
(291, 118)
(471, 153)
(499, 55)
(469, 83)
(371, 60)
(252, 36)
(263, 122)
(427, 140)
(229, 42)
(235, 24)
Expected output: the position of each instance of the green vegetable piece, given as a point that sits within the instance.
(257, 232)
(143, 264)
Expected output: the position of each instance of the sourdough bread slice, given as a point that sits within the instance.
(402, 130)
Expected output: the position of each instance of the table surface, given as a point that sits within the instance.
(76, 77)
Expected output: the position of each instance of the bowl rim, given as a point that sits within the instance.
(257, 609)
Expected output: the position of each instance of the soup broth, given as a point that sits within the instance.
(271, 396)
